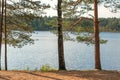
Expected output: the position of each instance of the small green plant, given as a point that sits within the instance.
(46, 68)
(27, 68)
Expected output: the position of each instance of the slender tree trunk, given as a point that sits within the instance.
(1, 24)
(96, 31)
(0, 29)
(5, 40)
(60, 38)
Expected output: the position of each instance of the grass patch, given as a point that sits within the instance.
(46, 68)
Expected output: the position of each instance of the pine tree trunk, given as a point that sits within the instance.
(60, 38)
(1, 24)
(96, 31)
(0, 30)
(5, 40)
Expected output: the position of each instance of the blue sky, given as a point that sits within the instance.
(103, 12)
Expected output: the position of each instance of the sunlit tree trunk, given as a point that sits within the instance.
(96, 31)
(60, 38)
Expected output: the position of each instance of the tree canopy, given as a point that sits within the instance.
(20, 14)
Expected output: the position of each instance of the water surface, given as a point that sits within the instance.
(78, 56)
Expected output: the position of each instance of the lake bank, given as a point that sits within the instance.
(60, 75)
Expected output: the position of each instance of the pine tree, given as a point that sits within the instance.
(16, 23)
(60, 38)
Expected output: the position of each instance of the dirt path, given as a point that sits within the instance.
(60, 75)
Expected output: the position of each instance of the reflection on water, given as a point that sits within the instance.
(78, 56)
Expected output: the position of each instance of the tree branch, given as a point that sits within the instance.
(79, 20)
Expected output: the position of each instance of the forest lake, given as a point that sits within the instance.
(78, 56)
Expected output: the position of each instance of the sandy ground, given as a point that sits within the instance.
(60, 75)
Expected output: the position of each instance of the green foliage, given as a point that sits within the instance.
(105, 24)
(76, 8)
(20, 15)
(103, 41)
(41, 23)
(46, 68)
(50, 23)
(89, 39)
(110, 24)
(19, 39)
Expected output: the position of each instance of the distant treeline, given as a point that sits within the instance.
(49, 23)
